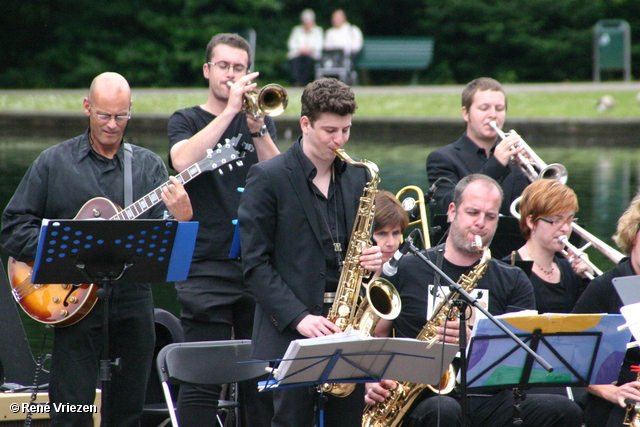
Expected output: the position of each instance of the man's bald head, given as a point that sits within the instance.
(109, 85)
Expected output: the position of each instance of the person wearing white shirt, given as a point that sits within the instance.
(305, 47)
(343, 35)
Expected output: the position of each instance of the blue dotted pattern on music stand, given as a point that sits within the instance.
(65, 241)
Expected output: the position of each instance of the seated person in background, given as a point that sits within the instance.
(305, 47)
(605, 405)
(547, 212)
(478, 151)
(344, 36)
(473, 212)
(390, 221)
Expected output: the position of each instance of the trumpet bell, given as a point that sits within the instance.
(272, 100)
(554, 171)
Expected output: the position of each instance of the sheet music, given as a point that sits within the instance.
(631, 315)
(347, 357)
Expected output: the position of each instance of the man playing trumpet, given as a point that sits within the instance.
(478, 151)
(216, 303)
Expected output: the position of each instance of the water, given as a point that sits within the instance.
(605, 180)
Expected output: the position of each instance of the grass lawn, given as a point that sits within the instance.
(562, 100)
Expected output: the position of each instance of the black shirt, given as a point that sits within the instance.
(214, 197)
(331, 215)
(509, 289)
(601, 297)
(63, 178)
(557, 297)
(464, 157)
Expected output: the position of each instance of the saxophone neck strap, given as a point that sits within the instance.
(439, 260)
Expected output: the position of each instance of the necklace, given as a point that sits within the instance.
(337, 246)
(548, 272)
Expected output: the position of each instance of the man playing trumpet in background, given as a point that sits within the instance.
(215, 301)
(483, 101)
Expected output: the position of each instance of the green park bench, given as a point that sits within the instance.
(396, 53)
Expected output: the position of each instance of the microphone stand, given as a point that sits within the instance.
(455, 287)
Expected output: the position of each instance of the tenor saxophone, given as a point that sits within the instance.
(391, 412)
(383, 300)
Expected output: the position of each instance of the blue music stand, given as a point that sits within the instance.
(107, 252)
(583, 348)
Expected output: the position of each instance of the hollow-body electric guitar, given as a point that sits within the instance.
(66, 304)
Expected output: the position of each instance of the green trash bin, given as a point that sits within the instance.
(612, 41)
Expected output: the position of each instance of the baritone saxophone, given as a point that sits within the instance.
(382, 299)
(391, 412)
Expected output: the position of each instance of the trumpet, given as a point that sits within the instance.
(272, 100)
(580, 254)
(416, 210)
(591, 240)
(532, 165)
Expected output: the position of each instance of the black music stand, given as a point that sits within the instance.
(583, 348)
(348, 358)
(107, 252)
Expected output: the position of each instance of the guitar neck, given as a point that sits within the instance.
(154, 197)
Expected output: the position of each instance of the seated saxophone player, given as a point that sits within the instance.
(547, 212)
(297, 214)
(479, 150)
(389, 223)
(473, 212)
(605, 405)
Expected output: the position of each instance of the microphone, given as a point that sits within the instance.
(390, 268)
(432, 190)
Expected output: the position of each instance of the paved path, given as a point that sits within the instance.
(510, 88)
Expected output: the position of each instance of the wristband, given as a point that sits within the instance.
(260, 134)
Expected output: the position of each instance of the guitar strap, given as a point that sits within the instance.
(128, 176)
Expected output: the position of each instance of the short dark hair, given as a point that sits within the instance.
(482, 83)
(327, 95)
(464, 182)
(230, 39)
(389, 212)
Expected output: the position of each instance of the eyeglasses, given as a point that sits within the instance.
(224, 66)
(559, 222)
(106, 118)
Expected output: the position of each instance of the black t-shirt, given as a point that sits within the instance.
(509, 289)
(601, 297)
(215, 197)
(557, 297)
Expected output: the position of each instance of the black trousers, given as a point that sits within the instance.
(302, 69)
(497, 410)
(218, 307)
(298, 407)
(76, 356)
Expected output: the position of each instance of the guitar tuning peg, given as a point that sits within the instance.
(230, 167)
(220, 171)
(240, 163)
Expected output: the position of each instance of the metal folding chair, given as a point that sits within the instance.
(206, 363)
